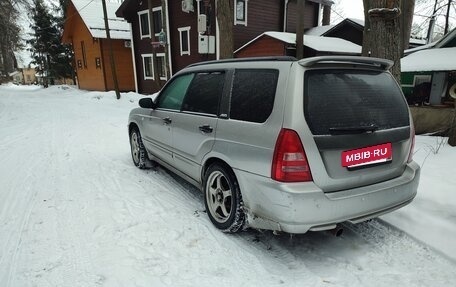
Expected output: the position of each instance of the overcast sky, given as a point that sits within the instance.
(348, 9)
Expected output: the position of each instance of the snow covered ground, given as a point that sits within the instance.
(75, 211)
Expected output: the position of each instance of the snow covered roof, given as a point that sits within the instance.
(319, 30)
(91, 12)
(321, 44)
(357, 21)
(430, 60)
(443, 42)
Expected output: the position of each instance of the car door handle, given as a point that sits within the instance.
(207, 129)
(167, 120)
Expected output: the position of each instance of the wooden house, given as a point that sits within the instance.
(186, 44)
(85, 30)
(284, 44)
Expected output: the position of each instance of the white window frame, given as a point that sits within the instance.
(182, 29)
(162, 55)
(236, 21)
(144, 56)
(155, 9)
(140, 26)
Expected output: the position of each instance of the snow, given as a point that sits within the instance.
(319, 30)
(437, 59)
(75, 211)
(321, 44)
(91, 11)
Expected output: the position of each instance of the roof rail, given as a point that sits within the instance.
(384, 64)
(242, 60)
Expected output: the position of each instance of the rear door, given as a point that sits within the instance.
(195, 127)
(360, 124)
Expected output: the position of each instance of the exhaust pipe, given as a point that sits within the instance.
(337, 231)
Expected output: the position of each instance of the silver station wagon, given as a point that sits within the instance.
(281, 144)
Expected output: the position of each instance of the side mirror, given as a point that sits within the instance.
(147, 103)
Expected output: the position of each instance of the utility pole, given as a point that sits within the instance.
(111, 55)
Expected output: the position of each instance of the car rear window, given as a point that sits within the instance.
(338, 99)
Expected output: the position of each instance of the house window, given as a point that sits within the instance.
(240, 12)
(144, 27)
(84, 58)
(157, 18)
(29, 78)
(184, 36)
(148, 66)
(161, 66)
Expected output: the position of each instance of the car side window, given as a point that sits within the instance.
(204, 93)
(253, 93)
(172, 96)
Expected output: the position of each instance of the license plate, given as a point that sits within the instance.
(367, 155)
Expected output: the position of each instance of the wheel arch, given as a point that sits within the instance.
(132, 126)
(212, 160)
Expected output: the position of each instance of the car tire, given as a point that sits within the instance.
(138, 151)
(222, 198)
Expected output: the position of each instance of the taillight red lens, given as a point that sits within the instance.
(290, 162)
(412, 145)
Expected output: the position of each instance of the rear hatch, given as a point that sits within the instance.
(360, 123)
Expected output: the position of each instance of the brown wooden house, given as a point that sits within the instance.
(186, 44)
(84, 29)
(284, 44)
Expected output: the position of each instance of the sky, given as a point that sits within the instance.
(347, 9)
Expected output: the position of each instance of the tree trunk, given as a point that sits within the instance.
(153, 38)
(111, 55)
(225, 18)
(382, 32)
(407, 10)
(326, 15)
(165, 29)
(447, 18)
(300, 30)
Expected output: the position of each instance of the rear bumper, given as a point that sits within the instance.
(300, 207)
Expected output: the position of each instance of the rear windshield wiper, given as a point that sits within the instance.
(353, 130)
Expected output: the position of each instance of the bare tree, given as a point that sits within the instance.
(382, 32)
(225, 18)
(447, 17)
(432, 18)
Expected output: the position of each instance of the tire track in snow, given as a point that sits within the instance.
(19, 195)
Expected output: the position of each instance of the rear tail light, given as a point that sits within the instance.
(290, 162)
(412, 145)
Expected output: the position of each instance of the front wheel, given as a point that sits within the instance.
(138, 151)
(223, 199)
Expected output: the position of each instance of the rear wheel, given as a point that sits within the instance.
(138, 152)
(223, 199)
